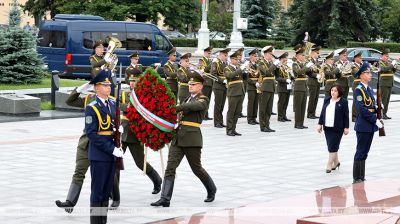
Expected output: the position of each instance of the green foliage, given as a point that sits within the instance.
(283, 29)
(394, 47)
(183, 14)
(218, 18)
(45, 83)
(38, 8)
(46, 105)
(389, 16)
(224, 43)
(14, 17)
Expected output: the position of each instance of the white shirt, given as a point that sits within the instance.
(104, 102)
(330, 114)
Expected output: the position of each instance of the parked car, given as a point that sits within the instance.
(368, 54)
(67, 41)
(173, 34)
(193, 35)
(214, 35)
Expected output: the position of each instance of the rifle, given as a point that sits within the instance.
(117, 135)
(379, 107)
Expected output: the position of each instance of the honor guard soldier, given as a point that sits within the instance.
(343, 77)
(252, 94)
(82, 161)
(99, 125)
(266, 68)
(188, 142)
(387, 69)
(284, 78)
(299, 89)
(205, 66)
(183, 77)
(330, 72)
(354, 69)
(366, 122)
(129, 140)
(312, 82)
(170, 71)
(134, 69)
(97, 58)
(235, 93)
(217, 69)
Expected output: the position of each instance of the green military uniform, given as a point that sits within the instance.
(386, 81)
(313, 88)
(343, 79)
(205, 66)
(330, 73)
(183, 78)
(134, 71)
(96, 62)
(267, 71)
(354, 69)
(235, 94)
(252, 95)
(299, 92)
(283, 78)
(188, 142)
(170, 71)
(219, 88)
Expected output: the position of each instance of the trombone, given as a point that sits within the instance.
(202, 73)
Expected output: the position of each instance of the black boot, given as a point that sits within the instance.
(72, 198)
(166, 194)
(211, 189)
(95, 217)
(362, 168)
(104, 211)
(115, 195)
(357, 172)
(156, 179)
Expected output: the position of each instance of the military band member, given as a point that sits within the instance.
(183, 77)
(266, 68)
(217, 69)
(99, 126)
(235, 93)
(299, 89)
(343, 77)
(134, 69)
(188, 142)
(170, 71)
(239, 52)
(387, 69)
(252, 95)
(284, 78)
(354, 69)
(366, 122)
(205, 66)
(312, 82)
(97, 58)
(331, 73)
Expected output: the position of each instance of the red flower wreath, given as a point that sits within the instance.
(156, 96)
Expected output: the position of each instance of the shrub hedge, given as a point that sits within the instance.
(224, 43)
(394, 47)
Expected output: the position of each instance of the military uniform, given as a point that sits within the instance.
(299, 93)
(343, 79)
(282, 77)
(235, 94)
(313, 88)
(386, 81)
(133, 70)
(267, 71)
(205, 66)
(252, 95)
(170, 71)
(188, 142)
(365, 125)
(96, 61)
(183, 77)
(219, 88)
(354, 69)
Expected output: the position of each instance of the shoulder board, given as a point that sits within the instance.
(111, 98)
(359, 86)
(92, 103)
(215, 60)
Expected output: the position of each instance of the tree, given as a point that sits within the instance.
(38, 8)
(260, 15)
(187, 17)
(218, 17)
(19, 61)
(283, 29)
(388, 15)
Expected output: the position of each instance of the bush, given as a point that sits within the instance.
(394, 47)
(224, 43)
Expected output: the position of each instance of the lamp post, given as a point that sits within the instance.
(204, 32)
(236, 35)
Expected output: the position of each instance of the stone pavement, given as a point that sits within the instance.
(38, 159)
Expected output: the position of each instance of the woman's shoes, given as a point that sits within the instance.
(337, 166)
(328, 171)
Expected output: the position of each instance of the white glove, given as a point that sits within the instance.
(276, 62)
(318, 76)
(120, 129)
(108, 60)
(288, 81)
(243, 67)
(379, 123)
(394, 62)
(118, 152)
(382, 106)
(257, 84)
(309, 64)
(225, 82)
(83, 88)
(339, 66)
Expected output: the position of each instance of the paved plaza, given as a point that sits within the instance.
(38, 160)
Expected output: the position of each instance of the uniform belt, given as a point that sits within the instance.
(234, 82)
(105, 133)
(300, 79)
(183, 84)
(191, 124)
(171, 78)
(222, 77)
(346, 76)
(371, 110)
(382, 75)
(357, 80)
(268, 78)
(254, 79)
(331, 80)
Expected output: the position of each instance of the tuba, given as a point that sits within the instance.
(113, 44)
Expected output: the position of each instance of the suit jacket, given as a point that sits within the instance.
(101, 147)
(341, 114)
(365, 103)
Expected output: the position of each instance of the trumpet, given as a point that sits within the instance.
(202, 73)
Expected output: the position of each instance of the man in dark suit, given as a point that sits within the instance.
(99, 126)
(188, 142)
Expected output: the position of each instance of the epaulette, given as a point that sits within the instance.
(203, 98)
(215, 60)
(359, 86)
(92, 103)
(112, 98)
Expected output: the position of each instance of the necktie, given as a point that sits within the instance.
(107, 106)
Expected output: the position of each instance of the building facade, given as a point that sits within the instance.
(6, 5)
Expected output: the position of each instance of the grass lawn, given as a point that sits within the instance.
(46, 83)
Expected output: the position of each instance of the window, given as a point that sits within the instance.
(89, 38)
(139, 41)
(375, 55)
(52, 38)
(162, 43)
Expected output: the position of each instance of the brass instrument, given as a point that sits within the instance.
(113, 44)
(202, 73)
(307, 50)
(346, 69)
